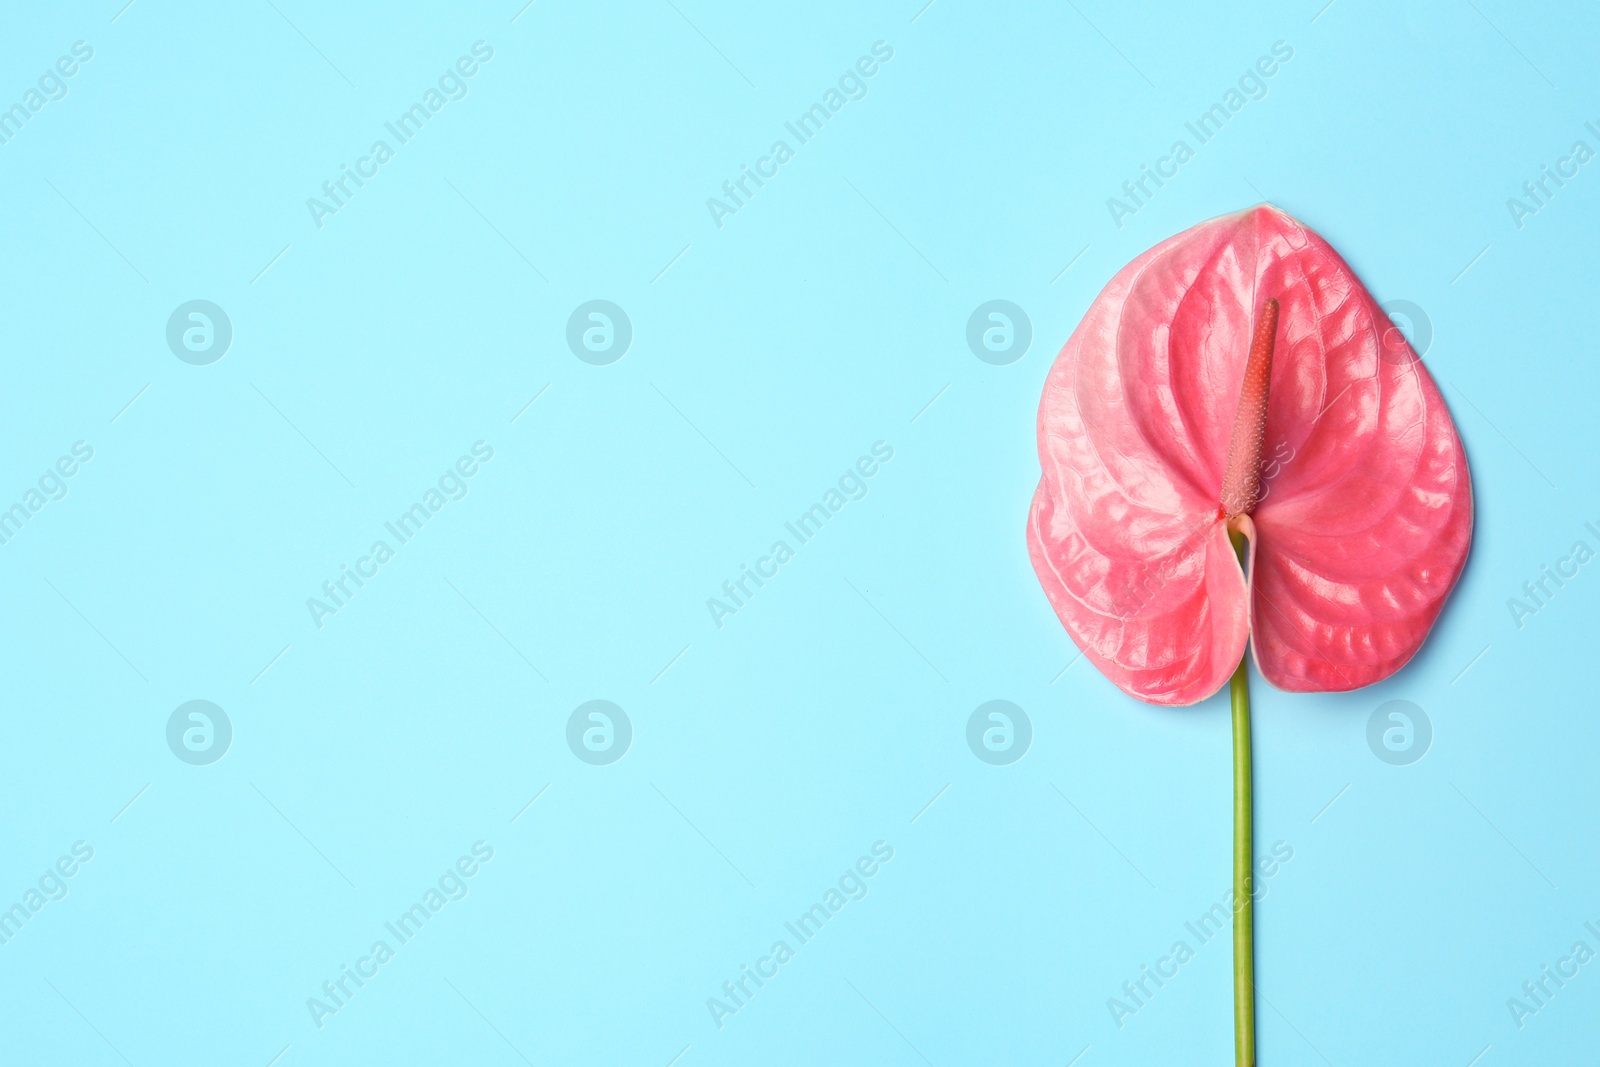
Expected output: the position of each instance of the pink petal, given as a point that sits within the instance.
(1367, 515)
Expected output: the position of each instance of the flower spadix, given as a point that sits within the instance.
(1239, 376)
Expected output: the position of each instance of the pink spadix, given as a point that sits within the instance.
(1241, 479)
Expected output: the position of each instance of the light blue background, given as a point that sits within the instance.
(767, 356)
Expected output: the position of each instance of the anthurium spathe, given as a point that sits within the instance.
(1239, 448)
(1366, 513)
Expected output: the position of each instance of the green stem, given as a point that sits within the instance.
(1244, 920)
(1244, 931)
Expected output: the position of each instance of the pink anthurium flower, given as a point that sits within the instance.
(1239, 447)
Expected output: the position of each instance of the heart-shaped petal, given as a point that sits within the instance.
(1365, 512)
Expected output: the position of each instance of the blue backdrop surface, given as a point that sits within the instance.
(421, 645)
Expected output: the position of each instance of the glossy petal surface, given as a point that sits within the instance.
(1366, 514)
